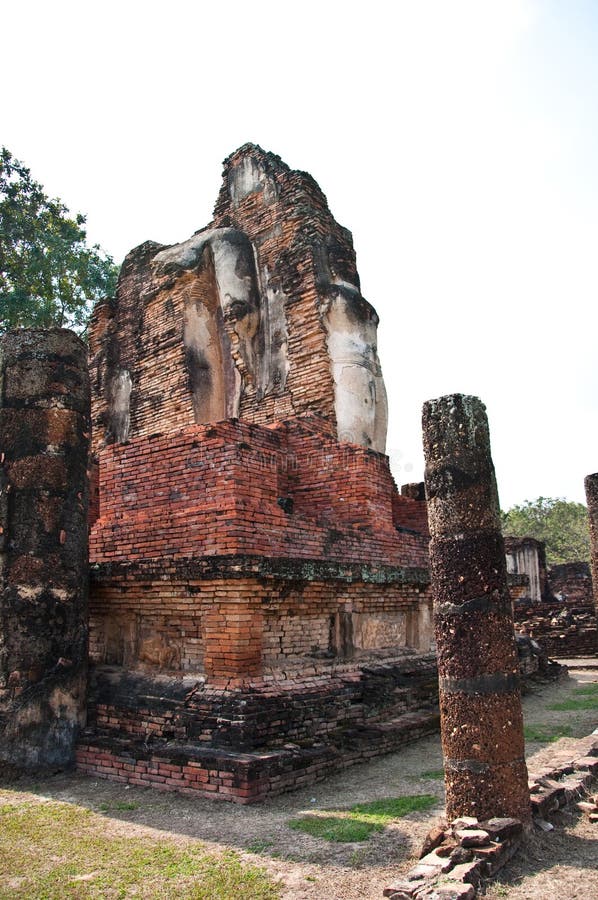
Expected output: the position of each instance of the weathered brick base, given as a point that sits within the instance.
(265, 736)
(254, 594)
(244, 777)
(262, 737)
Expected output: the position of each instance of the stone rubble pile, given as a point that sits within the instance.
(456, 857)
(590, 808)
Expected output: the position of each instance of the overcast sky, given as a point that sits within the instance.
(457, 140)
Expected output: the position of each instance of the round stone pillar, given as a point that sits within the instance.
(44, 437)
(478, 667)
(591, 486)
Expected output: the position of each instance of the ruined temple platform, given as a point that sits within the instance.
(226, 548)
(259, 610)
(247, 740)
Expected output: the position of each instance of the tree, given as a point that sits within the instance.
(561, 524)
(48, 275)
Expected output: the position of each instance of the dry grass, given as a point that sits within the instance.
(55, 850)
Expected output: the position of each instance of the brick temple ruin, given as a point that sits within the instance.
(260, 608)
(260, 611)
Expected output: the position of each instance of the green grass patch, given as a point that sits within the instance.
(121, 805)
(335, 828)
(359, 822)
(584, 697)
(591, 689)
(575, 703)
(437, 774)
(391, 808)
(544, 735)
(55, 851)
(259, 845)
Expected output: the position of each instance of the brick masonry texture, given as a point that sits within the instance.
(573, 581)
(232, 625)
(44, 438)
(245, 740)
(232, 487)
(260, 606)
(243, 777)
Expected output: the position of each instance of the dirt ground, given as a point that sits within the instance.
(562, 863)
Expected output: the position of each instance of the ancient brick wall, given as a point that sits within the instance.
(411, 514)
(225, 489)
(572, 582)
(231, 624)
(44, 437)
(566, 626)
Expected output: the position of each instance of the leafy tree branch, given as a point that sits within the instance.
(561, 524)
(48, 275)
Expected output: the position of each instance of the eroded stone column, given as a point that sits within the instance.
(480, 703)
(44, 437)
(591, 486)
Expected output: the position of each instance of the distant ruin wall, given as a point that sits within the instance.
(44, 437)
(561, 632)
(527, 556)
(571, 583)
(565, 625)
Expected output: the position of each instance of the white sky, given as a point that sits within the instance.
(457, 140)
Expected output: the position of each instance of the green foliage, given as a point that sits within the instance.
(360, 821)
(48, 275)
(561, 524)
(57, 850)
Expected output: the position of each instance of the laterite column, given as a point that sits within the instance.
(480, 702)
(44, 437)
(591, 486)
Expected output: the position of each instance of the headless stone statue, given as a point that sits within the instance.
(259, 316)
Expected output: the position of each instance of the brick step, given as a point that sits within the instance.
(242, 777)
